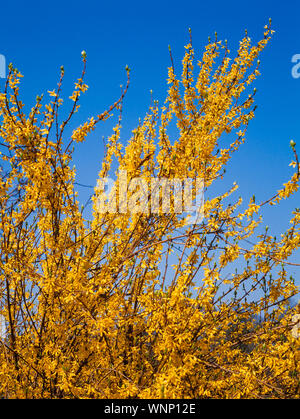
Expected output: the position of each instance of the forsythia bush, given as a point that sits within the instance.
(137, 304)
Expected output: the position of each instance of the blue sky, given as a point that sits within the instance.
(39, 37)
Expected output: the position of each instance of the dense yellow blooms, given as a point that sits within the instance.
(141, 304)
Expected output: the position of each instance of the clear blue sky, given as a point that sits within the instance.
(38, 37)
